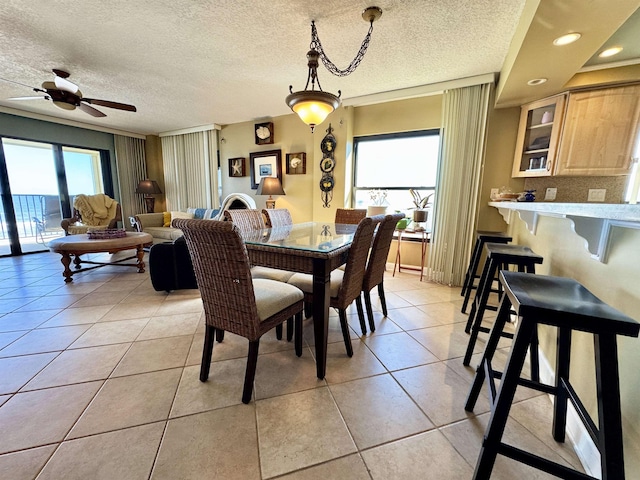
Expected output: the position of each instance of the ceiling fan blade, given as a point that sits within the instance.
(90, 110)
(66, 85)
(34, 97)
(107, 103)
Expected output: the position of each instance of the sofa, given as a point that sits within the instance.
(170, 266)
(154, 223)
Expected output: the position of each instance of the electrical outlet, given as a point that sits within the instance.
(550, 194)
(596, 194)
(494, 193)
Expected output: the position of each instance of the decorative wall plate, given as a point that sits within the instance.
(326, 183)
(327, 164)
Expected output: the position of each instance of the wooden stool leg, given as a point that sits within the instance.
(477, 322)
(471, 274)
(503, 401)
(474, 304)
(609, 413)
(563, 357)
(207, 350)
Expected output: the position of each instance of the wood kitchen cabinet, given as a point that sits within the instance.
(599, 132)
(538, 137)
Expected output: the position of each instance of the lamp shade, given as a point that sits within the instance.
(270, 186)
(148, 187)
(313, 106)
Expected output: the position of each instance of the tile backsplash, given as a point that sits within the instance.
(576, 189)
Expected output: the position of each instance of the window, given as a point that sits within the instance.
(396, 163)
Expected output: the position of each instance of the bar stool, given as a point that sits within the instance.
(499, 257)
(567, 305)
(482, 237)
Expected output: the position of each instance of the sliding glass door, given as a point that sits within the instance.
(38, 182)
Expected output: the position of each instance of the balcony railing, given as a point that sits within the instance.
(37, 216)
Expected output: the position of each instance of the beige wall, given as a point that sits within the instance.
(155, 169)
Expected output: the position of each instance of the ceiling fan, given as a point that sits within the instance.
(66, 95)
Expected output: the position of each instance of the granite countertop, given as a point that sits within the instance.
(609, 211)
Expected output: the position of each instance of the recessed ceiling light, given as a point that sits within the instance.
(536, 81)
(567, 39)
(610, 52)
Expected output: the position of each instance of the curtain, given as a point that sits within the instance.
(190, 163)
(464, 125)
(132, 167)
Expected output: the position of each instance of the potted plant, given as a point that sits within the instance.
(378, 205)
(421, 212)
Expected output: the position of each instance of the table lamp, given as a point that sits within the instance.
(148, 188)
(270, 186)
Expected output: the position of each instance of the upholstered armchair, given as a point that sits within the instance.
(98, 211)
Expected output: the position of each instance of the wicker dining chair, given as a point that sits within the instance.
(252, 219)
(233, 301)
(374, 275)
(277, 217)
(350, 215)
(345, 286)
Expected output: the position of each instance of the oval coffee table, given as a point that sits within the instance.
(77, 245)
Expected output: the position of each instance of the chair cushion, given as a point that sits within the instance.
(271, 274)
(304, 282)
(164, 233)
(272, 296)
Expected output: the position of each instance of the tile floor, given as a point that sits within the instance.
(99, 379)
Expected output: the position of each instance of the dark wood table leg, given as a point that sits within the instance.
(66, 261)
(140, 255)
(76, 261)
(321, 291)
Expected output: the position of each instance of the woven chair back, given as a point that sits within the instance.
(245, 220)
(221, 266)
(350, 215)
(374, 274)
(277, 217)
(356, 261)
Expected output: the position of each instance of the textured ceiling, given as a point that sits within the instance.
(185, 63)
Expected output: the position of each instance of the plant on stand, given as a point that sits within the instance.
(421, 212)
(378, 205)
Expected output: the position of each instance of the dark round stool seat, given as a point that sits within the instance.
(482, 237)
(499, 257)
(567, 305)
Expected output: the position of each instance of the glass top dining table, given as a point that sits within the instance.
(315, 248)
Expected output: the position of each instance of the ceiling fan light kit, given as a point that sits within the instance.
(67, 95)
(313, 106)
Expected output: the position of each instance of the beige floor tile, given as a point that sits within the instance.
(446, 341)
(335, 332)
(75, 288)
(124, 454)
(31, 291)
(126, 311)
(144, 298)
(391, 298)
(341, 368)
(180, 305)
(44, 340)
(425, 296)
(12, 304)
(122, 285)
(170, 325)
(4, 398)
(106, 333)
(16, 371)
(45, 416)
(440, 392)
(412, 318)
(377, 411)
(351, 467)
(77, 366)
(300, 430)
(466, 436)
(217, 444)
(222, 389)
(106, 298)
(26, 464)
(78, 316)
(399, 350)
(51, 302)
(25, 321)
(157, 354)
(383, 324)
(444, 312)
(280, 373)
(129, 401)
(428, 455)
(7, 338)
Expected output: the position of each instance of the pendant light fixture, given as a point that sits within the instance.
(313, 106)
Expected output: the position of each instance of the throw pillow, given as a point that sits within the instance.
(175, 215)
(166, 219)
(203, 213)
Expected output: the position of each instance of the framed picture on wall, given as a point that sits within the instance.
(265, 164)
(237, 167)
(296, 163)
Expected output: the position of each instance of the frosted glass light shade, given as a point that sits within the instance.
(313, 107)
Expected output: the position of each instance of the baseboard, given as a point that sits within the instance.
(585, 449)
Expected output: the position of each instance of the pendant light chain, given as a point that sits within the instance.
(316, 45)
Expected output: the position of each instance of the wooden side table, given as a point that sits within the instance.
(422, 237)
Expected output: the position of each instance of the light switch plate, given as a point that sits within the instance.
(494, 193)
(550, 194)
(597, 194)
